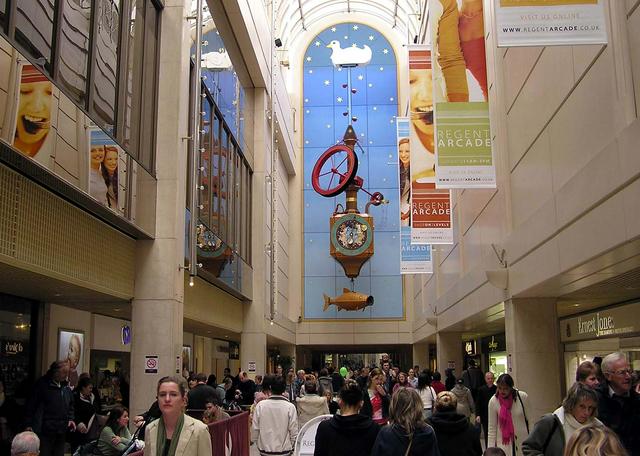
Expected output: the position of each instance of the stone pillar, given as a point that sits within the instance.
(420, 356)
(533, 350)
(157, 308)
(449, 351)
(253, 340)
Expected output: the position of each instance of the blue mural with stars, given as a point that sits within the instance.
(375, 106)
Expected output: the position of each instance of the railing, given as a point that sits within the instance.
(228, 437)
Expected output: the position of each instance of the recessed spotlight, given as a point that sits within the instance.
(57, 295)
(576, 305)
(117, 309)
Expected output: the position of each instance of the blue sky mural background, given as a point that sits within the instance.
(376, 107)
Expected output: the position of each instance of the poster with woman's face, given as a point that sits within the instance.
(33, 114)
(71, 350)
(103, 168)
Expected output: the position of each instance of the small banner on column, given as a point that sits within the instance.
(430, 217)
(414, 258)
(550, 22)
(464, 156)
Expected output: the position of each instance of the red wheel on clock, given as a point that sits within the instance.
(334, 171)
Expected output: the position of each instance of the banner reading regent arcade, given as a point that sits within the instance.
(464, 156)
(430, 207)
(550, 22)
(414, 258)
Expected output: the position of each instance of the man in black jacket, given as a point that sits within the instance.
(50, 411)
(618, 403)
(198, 396)
(485, 393)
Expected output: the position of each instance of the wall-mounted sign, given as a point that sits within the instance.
(612, 322)
(12, 347)
(470, 347)
(125, 334)
(151, 364)
(252, 367)
(495, 343)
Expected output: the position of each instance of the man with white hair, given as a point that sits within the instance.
(618, 403)
(25, 444)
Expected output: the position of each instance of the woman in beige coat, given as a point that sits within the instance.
(174, 433)
(508, 417)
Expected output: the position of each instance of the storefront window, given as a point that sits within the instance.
(34, 29)
(74, 47)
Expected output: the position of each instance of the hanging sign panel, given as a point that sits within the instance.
(464, 156)
(550, 22)
(430, 207)
(414, 258)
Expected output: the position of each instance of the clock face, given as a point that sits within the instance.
(351, 235)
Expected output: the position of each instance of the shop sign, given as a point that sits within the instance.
(12, 347)
(470, 347)
(611, 322)
(495, 343)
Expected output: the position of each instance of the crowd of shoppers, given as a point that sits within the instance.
(371, 411)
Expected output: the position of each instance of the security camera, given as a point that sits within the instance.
(499, 278)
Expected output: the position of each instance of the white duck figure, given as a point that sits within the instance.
(216, 61)
(351, 56)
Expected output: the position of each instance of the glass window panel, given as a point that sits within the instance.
(74, 47)
(105, 57)
(231, 196)
(223, 182)
(215, 175)
(34, 28)
(133, 78)
(3, 14)
(204, 196)
(150, 85)
(238, 201)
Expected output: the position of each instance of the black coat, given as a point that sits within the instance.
(198, 396)
(456, 436)
(392, 441)
(85, 409)
(622, 415)
(248, 390)
(337, 382)
(482, 404)
(351, 435)
(50, 407)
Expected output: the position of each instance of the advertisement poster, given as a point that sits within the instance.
(33, 133)
(70, 349)
(430, 207)
(103, 168)
(414, 258)
(464, 156)
(550, 22)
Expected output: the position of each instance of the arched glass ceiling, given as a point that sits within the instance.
(294, 17)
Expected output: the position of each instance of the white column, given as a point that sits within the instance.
(157, 308)
(449, 352)
(533, 348)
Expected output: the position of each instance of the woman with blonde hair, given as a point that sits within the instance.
(407, 433)
(594, 441)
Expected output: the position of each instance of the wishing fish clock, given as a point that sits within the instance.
(335, 172)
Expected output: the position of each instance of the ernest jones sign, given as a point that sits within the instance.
(605, 323)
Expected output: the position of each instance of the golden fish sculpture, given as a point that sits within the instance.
(348, 300)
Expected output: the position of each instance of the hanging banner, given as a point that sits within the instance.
(430, 207)
(414, 258)
(464, 156)
(550, 22)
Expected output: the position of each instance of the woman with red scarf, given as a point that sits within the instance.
(508, 417)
